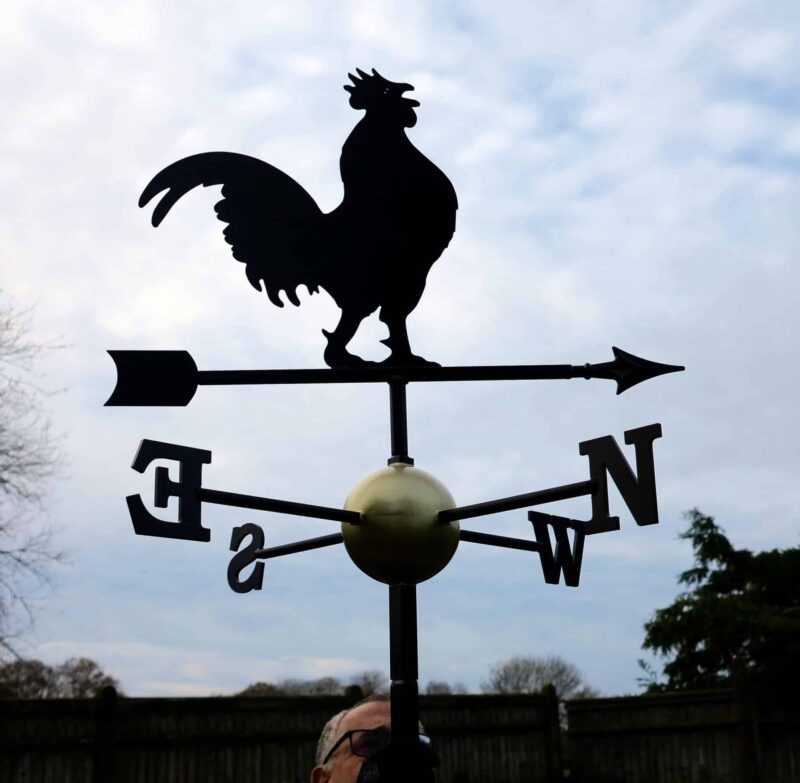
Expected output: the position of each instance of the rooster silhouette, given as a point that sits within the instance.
(373, 251)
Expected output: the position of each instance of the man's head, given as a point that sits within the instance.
(338, 763)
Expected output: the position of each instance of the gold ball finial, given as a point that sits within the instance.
(400, 539)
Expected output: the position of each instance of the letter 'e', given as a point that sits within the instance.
(186, 488)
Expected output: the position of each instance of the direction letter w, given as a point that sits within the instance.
(565, 560)
(637, 490)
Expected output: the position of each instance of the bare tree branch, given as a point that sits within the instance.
(29, 457)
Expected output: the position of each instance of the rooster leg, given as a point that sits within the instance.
(336, 353)
(397, 341)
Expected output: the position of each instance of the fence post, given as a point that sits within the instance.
(747, 730)
(105, 736)
(552, 735)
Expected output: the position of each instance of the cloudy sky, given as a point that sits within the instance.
(627, 174)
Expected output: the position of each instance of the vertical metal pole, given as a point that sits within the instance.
(398, 421)
(403, 661)
(402, 598)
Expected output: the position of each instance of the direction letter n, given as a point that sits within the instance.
(637, 490)
(190, 476)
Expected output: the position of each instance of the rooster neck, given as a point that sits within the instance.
(373, 145)
(378, 129)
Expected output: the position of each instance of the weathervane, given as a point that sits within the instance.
(399, 525)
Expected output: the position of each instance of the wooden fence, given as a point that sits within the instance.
(503, 739)
(693, 737)
(706, 737)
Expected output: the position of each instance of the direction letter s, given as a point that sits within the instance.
(244, 558)
(191, 461)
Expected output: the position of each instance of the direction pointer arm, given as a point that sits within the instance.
(579, 489)
(503, 541)
(279, 506)
(247, 558)
(299, 546)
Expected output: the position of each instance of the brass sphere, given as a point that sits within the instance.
(399, 539)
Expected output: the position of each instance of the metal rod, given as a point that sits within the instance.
(386, 374)
(280, 506)
(299, 546)
(403, 661)
(520, 501)
(504, 541)
(399, 422)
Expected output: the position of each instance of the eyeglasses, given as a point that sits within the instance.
(367, 742)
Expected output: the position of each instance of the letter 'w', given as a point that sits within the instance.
(565, 560)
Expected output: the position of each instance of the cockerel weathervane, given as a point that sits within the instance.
(399, 525)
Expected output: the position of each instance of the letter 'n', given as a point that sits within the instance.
(637, 490)
(565, 560)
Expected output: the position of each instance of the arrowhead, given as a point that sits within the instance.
(628, 370)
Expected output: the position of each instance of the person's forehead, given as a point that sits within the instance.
(373, 715)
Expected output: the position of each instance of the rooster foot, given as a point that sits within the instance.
(407, 360)
(338, 356)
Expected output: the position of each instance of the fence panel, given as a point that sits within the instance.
(505, 739)
(691, 737)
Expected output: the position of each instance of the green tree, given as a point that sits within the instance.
(739, 616)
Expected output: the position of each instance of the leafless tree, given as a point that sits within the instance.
(76, 678)
(529, 674)
(443, 688)
(365, 683)
(28, 459)
(81, 678)
(370, 682)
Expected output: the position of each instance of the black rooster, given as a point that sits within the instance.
(373, 251)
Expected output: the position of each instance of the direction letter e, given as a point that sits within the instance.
(186, 488)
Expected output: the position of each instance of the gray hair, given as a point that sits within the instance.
(330, 731)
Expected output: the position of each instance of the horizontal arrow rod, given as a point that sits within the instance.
(564, 492)
(299, 546)
(172, 377)
(387, 374)
(279, 506)
(503, 541)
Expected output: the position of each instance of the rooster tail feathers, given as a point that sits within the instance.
(272, 221)
(180, 177)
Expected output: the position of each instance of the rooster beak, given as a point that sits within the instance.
(407, 88)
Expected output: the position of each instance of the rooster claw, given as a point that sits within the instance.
(337, 356)
(407, 360)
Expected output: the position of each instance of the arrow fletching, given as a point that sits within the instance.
(153, 378)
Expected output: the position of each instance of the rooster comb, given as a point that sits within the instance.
(366, 86)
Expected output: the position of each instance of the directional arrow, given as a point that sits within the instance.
(172, 377)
